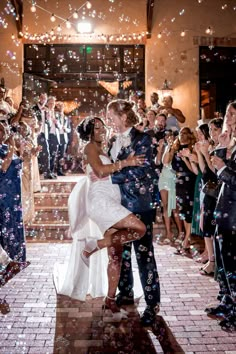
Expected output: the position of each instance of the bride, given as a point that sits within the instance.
(98, 221)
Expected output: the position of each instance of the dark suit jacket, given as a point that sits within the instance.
(226, 203)
(136, 183)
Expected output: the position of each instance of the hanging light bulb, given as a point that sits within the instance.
(68, 24)
(33, 7)
(53, 18)
(209, 30)
(75, 14)
(59, 28)
(183, 33)
(88, 5)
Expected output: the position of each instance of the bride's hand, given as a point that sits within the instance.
(135, 160)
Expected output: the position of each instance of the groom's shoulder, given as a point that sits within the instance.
(137, 134)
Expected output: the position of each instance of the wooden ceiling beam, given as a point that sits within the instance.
(18, 6)
(150, 7)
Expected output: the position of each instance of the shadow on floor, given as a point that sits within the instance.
(165, 337)
(84, 328)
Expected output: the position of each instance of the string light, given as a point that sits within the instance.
(88, 5)
(75, 15)
(68, 24)
(53, 18)
(183, 33)
(33, 7)
(51, 36)
(209, 30)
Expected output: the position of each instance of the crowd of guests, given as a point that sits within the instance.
(33, 142)
(194, 179)
(196, 174)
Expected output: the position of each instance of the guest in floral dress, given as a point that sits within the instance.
(11, 225)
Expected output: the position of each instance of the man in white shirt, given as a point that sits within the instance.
(44, 124)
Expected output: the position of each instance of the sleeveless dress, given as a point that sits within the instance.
(104, 200)
(93, 208)
(167, 181)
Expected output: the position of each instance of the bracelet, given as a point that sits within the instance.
(119, 165)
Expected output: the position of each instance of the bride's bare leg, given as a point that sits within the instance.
(113, 269)
(126, 230)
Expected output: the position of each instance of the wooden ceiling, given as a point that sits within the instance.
(18, 5)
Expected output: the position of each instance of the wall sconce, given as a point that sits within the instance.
(166, 90)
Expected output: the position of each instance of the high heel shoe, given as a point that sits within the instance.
(89, 248)
(209, 268)
(203, 258)
(117, 313)
(180, 238)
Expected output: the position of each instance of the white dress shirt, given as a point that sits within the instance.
(122, 139)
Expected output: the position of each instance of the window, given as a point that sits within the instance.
(73, 71)
(217, 73)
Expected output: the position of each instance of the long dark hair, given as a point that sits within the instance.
(86, 128)
(205, 130)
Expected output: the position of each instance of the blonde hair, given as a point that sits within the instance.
(121, 107)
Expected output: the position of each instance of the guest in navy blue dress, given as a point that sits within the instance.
(11, 224)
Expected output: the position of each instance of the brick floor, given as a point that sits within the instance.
(40, 322)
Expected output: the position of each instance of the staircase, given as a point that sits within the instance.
(51, 222)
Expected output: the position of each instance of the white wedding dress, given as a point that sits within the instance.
(93, 208)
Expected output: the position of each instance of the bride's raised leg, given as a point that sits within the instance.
(126, 230)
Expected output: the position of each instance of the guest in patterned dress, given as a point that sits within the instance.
(11, 224)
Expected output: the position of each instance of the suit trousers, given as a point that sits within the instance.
(146, 264)
(53, 148)
(225, 247)
(44, 155)
(61, 152)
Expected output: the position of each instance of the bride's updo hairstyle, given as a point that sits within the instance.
(121, 107)
(86, 128)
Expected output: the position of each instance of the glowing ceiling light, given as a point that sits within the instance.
(68, 24)
(88, 5)
(53, 18)
(75, 14)
(33, 7)
(84, 27)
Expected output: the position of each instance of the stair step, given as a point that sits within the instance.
(47, 232)
(51, 199)
(62, 187)
(50, 214)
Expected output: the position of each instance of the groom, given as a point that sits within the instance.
(136, 185)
